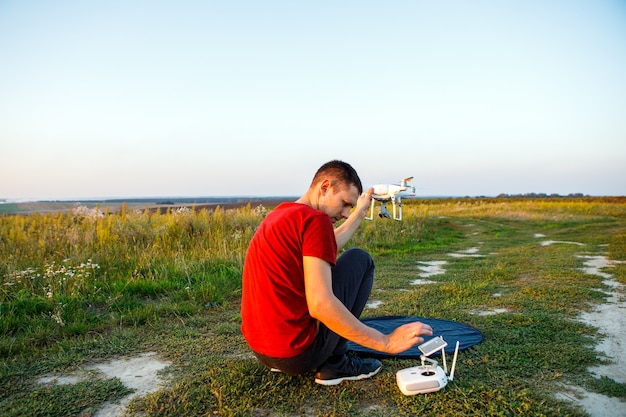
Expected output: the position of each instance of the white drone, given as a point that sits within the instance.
(394, 193)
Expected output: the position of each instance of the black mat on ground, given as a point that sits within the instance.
(450, 330)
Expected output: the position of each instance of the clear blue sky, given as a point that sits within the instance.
(217, 98)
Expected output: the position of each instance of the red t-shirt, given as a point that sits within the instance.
(275, 316)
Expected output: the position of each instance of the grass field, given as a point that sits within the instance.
(79, 288)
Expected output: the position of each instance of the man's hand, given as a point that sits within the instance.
(345, 231)
(406, 336)
(363, 203)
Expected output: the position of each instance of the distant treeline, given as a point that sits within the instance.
(174, 200)
(541, 195)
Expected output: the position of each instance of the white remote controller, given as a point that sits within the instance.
(432, 346)
(427, 377)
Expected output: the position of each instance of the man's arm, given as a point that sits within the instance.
(325, 307)
(344, 232)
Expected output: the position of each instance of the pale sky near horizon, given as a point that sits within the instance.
(240, 98)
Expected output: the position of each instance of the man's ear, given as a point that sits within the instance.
(325, 186)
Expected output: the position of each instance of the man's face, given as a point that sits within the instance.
(338, 200)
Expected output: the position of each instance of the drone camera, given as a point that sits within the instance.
(384, 212)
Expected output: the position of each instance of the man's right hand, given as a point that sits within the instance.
(407, 336)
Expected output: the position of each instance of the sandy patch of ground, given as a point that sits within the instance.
(430, 268)
(491, 312)
(140, 373)
(597, 405)
(374, 304)
(610, 319)
(422, 282)
(468, 253)
(552, 242)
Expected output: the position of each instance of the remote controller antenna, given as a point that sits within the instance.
(456, 352)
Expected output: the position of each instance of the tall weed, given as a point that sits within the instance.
(113, 265)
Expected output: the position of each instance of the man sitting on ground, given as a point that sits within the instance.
(300, 303)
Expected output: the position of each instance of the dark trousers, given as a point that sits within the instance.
(353, 277)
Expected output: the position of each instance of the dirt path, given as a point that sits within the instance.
(610, 319)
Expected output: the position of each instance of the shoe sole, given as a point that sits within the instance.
(347, 378)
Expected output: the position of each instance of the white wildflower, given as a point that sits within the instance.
(57, 317)
(260, 210)
(86, 212)
(182, 211)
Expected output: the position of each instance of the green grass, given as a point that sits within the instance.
(78, 289)
(64, 400)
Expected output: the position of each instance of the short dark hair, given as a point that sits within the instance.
(341, 171)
